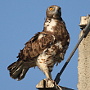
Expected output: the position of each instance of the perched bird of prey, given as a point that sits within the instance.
(45, 49)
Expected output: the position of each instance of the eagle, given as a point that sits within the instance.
(44, 49)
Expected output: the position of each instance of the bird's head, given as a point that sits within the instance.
(53, 12)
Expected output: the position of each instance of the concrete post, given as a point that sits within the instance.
(84, 59)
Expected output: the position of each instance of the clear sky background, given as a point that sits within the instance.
(19, 21)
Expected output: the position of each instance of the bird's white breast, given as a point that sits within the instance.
(49, 24)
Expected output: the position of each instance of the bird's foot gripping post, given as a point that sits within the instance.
(50, 85)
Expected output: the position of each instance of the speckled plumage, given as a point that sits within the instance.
(45, 48)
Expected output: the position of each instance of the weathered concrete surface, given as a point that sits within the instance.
(84, 64)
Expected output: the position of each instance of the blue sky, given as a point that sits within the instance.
(19, 21)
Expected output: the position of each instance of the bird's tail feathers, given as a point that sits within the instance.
(18, 70)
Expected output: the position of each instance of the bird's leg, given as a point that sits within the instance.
(48, 79)
(48, 74)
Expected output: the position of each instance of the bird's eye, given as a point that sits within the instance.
(51, 8)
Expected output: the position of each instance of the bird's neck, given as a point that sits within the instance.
(50, 24)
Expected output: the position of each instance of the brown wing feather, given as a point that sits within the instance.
(35, 46)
